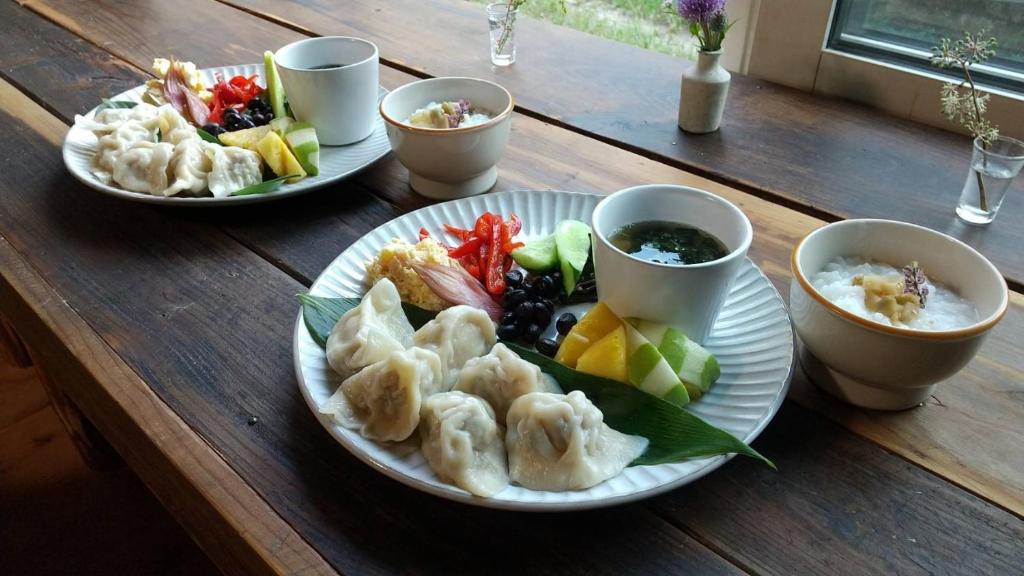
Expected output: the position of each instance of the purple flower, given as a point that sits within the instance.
(700, 11)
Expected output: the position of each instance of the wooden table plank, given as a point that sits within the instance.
(239, 530)
(829, 157)
(208, 325)
(945, 498)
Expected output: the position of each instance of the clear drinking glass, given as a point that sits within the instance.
(502, 20)
(992, 172)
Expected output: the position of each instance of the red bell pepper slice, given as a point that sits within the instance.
(424, 233)
(482, 229)
(461, 233)
(495, 276)
(471, 246)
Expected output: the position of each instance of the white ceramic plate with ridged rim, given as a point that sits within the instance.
(336, 162)
(753, 340)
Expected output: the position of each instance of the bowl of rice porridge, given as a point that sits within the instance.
(886, 310)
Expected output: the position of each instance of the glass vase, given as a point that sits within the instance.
(992, 171)
(501, 17)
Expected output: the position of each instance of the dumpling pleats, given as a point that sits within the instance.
(463, 443)
(383, 400)
(369, 332)
(560, 442)
(502, 376)
(457, 334)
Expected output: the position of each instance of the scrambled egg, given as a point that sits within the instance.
(392, 262)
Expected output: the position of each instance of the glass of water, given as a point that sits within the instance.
(993, 169)
(501, 17)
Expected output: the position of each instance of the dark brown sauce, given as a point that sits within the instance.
(327, 66)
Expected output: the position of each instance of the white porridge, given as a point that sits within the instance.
(942, 309)
(458, 114)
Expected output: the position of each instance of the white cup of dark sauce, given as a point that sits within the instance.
(686, 296)
(332, 82)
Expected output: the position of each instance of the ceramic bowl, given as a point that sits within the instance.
(341, 102)
(455, 162)
(875, 365)
(687, 296)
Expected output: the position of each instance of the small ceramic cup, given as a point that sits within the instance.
(332, 82)
(686, 296)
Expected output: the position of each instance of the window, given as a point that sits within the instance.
(903, 32)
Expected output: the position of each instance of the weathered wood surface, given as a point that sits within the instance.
(196, 484)
(537, 158)
(824, 156)
(343, 506)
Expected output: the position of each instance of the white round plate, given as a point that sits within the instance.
(336, 162)
(753, 340)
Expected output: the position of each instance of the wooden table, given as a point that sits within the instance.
(171, 329)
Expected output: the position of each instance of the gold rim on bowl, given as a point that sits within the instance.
(959, 333)
(408, 128)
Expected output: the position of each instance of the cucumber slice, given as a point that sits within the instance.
(537, 256)
(301, 138)
(274, 88)
(696, 367)
(572, 242)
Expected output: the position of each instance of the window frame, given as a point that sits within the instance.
(919, 59)
(789, 46)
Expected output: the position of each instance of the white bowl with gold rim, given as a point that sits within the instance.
(449, 163)
(875, 365)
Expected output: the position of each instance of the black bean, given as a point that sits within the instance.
(549, 304)
(541, 315)
(514, 278)
(513, 298)
(547, 347)
(508, 318)
(213, 129)
(565, 323)
(532, 332)
(524, 310)
(508, 332)
(546, 287)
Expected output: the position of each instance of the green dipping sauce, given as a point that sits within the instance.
(668, 243)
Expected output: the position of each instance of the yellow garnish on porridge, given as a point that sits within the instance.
(887, 295)
(395, 262)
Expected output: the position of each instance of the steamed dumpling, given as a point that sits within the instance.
(233, 168)
(457, 334)
(463, 443)
(143, 167)
(109, 119)
(111, 146)
(174, 128)
(383, 400)
(560, 442)
(369, 332)
(189, 167)
(502, 376)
